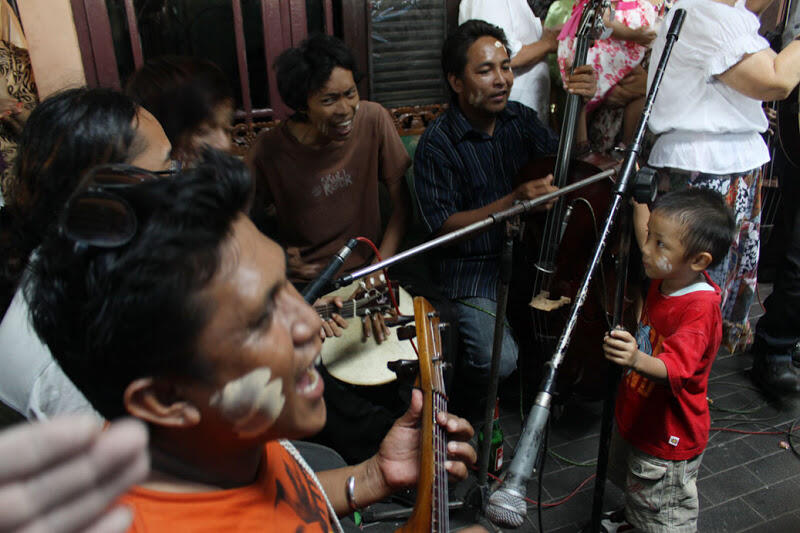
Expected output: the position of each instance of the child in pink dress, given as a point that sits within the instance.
(615, 57)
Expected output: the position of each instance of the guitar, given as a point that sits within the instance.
(363, 362)
(375, 301)
(431, 512)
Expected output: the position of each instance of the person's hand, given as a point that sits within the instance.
(297, 268)
(64, 475)
(534, 189)
(373, 323)
(620, 347)
(643, 36)
(582, 81)
(333, 326)
(399, 454)
(629, 88)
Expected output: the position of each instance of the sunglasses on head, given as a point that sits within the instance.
(95, 215)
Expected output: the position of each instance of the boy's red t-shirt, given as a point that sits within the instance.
(284, 498)
(671, 421)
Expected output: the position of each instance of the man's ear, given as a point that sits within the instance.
(455, 83)
(151, 400)
(701, 261)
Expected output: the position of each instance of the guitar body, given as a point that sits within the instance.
(350, 359)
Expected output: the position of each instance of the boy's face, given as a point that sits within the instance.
(663, 254)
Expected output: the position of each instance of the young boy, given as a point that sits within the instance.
(661, 411)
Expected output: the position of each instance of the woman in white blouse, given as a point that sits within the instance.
(709, 119)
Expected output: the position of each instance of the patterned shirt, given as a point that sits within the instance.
(457, 168)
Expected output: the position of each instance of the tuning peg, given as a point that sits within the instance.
(401, 320)
(406, 332)
(406, 369)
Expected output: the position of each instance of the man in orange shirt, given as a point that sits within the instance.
(188, 323)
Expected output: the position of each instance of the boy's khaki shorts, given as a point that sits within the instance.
(660, 495)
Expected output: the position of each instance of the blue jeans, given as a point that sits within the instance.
(476, 328)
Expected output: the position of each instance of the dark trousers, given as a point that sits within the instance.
(779, 329)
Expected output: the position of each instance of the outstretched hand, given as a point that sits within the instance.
(64, 475)
(399, 454)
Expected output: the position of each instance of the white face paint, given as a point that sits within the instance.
(252, 402)
(498, 44)
(475, 99)
(664, 265)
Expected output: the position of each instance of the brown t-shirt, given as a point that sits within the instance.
(326, 195)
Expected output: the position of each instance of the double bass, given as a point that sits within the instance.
(559, 244)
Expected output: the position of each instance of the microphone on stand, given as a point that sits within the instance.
(316, 287)
(506, 506)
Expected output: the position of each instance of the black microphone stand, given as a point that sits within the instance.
(476, 227)
(622, 271)
(503, 284)
(509, 504)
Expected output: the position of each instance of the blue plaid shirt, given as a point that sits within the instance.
(457, 168)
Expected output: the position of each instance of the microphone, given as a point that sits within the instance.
(315, 287)
(506, 506)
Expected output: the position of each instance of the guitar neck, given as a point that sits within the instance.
(431, 510)
(348, 310)
(440, 513)
(572, 107)
(566, 142)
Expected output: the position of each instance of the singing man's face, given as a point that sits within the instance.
(259, 343)
(486, 81)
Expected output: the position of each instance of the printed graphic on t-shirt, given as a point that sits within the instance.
(330, 183)
(295, 491)
(643, 339)
(649, 342)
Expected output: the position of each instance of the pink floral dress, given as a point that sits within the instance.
(611, 58)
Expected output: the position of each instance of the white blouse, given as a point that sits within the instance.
(705, 125)
(31, 382)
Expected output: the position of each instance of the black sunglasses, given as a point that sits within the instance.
(95, 215)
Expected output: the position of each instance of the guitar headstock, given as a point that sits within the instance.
(377, 300)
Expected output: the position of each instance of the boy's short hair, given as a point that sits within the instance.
(708, 222)
(113, 315)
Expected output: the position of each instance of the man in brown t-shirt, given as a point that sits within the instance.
(321, 167)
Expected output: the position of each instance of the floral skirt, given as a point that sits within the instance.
(736, 274)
